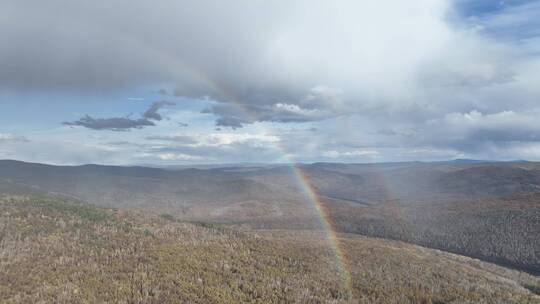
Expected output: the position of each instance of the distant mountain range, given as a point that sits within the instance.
(489, 210)
(369, 183)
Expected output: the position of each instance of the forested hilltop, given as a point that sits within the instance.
(54, 250)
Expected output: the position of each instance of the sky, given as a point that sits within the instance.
(175, 82)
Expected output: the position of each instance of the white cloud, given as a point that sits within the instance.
(8, 137)
(295, 109)
(351, 154)
(217, 139)
(476, 127)
(179, 157)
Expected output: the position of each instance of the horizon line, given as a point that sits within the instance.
(232, 164)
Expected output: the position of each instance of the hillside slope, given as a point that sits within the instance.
(484, 210)
(505, 231)
(182, 191)
(64, 252)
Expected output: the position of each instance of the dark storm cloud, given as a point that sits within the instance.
(124, 43)
(367, 72)
(112, 124)
(232, 122)
(253, 57)
(122, 123)
(152, 112)
(236, 115)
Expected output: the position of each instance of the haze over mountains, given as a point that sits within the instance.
(488, 210)
(361, 183)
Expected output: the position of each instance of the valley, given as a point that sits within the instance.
(54, 250)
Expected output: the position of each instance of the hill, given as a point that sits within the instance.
(59, 251)
(486, 210)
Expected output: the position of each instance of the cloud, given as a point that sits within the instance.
(263, 54)
(516, 21)
(218, 139)
(359, 154)
(112, 124)
(475, 129)
(163, 92)
(122, 123)
(180, 139)
(448, 68)
(179, 157)
(152, 112)
(215, 147)
(64, 152)
(8, 137)
(446, 77)
(319, 103)
(229, 115)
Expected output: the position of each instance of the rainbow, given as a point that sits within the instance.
(301, 177)
(327, 225)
